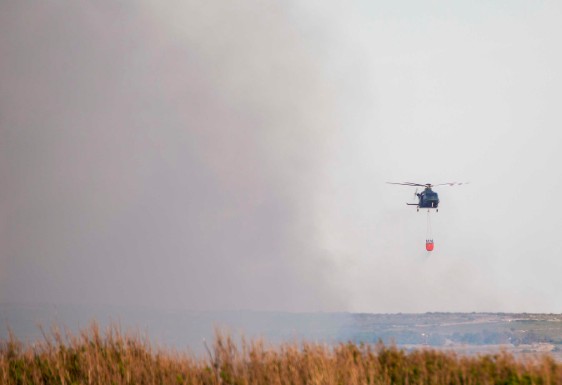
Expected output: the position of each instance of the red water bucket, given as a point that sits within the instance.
(429, 245)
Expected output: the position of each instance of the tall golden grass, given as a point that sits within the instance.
(112, 357)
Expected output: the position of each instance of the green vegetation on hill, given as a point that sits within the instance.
(113, 357)
(438, 329)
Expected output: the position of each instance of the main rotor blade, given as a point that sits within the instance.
(451, 184)
(408, 184)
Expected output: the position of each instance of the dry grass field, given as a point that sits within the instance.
(114, 357)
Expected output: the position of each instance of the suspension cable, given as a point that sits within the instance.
(429, 233)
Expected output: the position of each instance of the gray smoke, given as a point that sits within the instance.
(146, 165)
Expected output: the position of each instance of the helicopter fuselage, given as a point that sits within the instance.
(427, 199)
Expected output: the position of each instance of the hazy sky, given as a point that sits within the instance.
(233, 155)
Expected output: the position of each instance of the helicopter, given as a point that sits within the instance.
(427, 199)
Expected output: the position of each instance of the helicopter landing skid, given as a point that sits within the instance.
(429, 209)
(424, 208)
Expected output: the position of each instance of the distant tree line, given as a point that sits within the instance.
(484, 337)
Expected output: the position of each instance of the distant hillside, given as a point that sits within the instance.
(438, 329)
